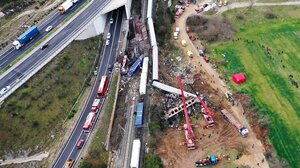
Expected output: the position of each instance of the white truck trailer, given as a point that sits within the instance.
(66, 5)
(242, 130)
(135, 155)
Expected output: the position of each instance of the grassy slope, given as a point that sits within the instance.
(38, 108)
(268, 81)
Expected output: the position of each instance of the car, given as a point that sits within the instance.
(4, 90)
(44, 46)
(111, 20)
(108, 36)
(107, 42)
(49, 28)
(69, 163)
(80, 143)
(110, 67)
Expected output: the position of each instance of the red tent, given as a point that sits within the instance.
(239, 78)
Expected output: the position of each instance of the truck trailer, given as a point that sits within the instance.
(135, 155)
(26, 37)
(242, 130)
(66, 5)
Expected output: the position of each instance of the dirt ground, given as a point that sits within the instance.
(224, 138)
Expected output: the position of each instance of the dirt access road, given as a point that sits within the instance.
(254, 147)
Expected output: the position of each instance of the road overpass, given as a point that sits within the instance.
(36, 59)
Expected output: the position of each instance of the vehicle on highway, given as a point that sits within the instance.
(108, 36)
(4, 90)
(49, 28)
(110, 67)
(44, 46)
(107, 42)
(95, 105)
(80, 143)
(89, 122)
(26, 37)
(111, 20)
(69, 163)
(66, 5)
(103, 87)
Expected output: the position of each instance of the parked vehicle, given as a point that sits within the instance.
(26, 37)
(107, 42)
(66, 6)
(108, 36)
(135, 154)
(242, 130)
(210, 160)
(206, 58)
(95, 105)
(89, 122)
(111, 20)
(103, 87)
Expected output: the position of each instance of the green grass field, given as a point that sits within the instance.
(38, 109)
(267, 74)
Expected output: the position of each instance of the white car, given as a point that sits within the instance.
(108, 36)
(107, 42)
(4, 90)
(49, 28)
(111, 21)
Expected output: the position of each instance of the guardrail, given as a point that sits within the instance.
(19, 82)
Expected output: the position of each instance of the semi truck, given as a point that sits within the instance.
(135, 155)
(66, 5)
(242, 130)
(26, 37)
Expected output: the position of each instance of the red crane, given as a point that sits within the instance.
(189, 134)
(208, 114)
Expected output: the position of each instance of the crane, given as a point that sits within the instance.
(189, 134)
(208, 114)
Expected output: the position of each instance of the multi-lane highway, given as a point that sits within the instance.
(109, 56)
(53, 20)
(55, 44)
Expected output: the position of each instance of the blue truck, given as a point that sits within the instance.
(26, 37)
(137, 64)
(139, 115)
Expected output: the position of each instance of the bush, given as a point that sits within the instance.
(270, 15)
(35, 124)
(153, 161)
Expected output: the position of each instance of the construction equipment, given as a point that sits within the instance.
(188, 131)
(242, 130)
(210, 160)
(208, 114)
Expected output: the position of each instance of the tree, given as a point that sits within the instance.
(153, 161)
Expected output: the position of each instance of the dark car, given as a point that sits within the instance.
(110, 67)
(44, 46)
